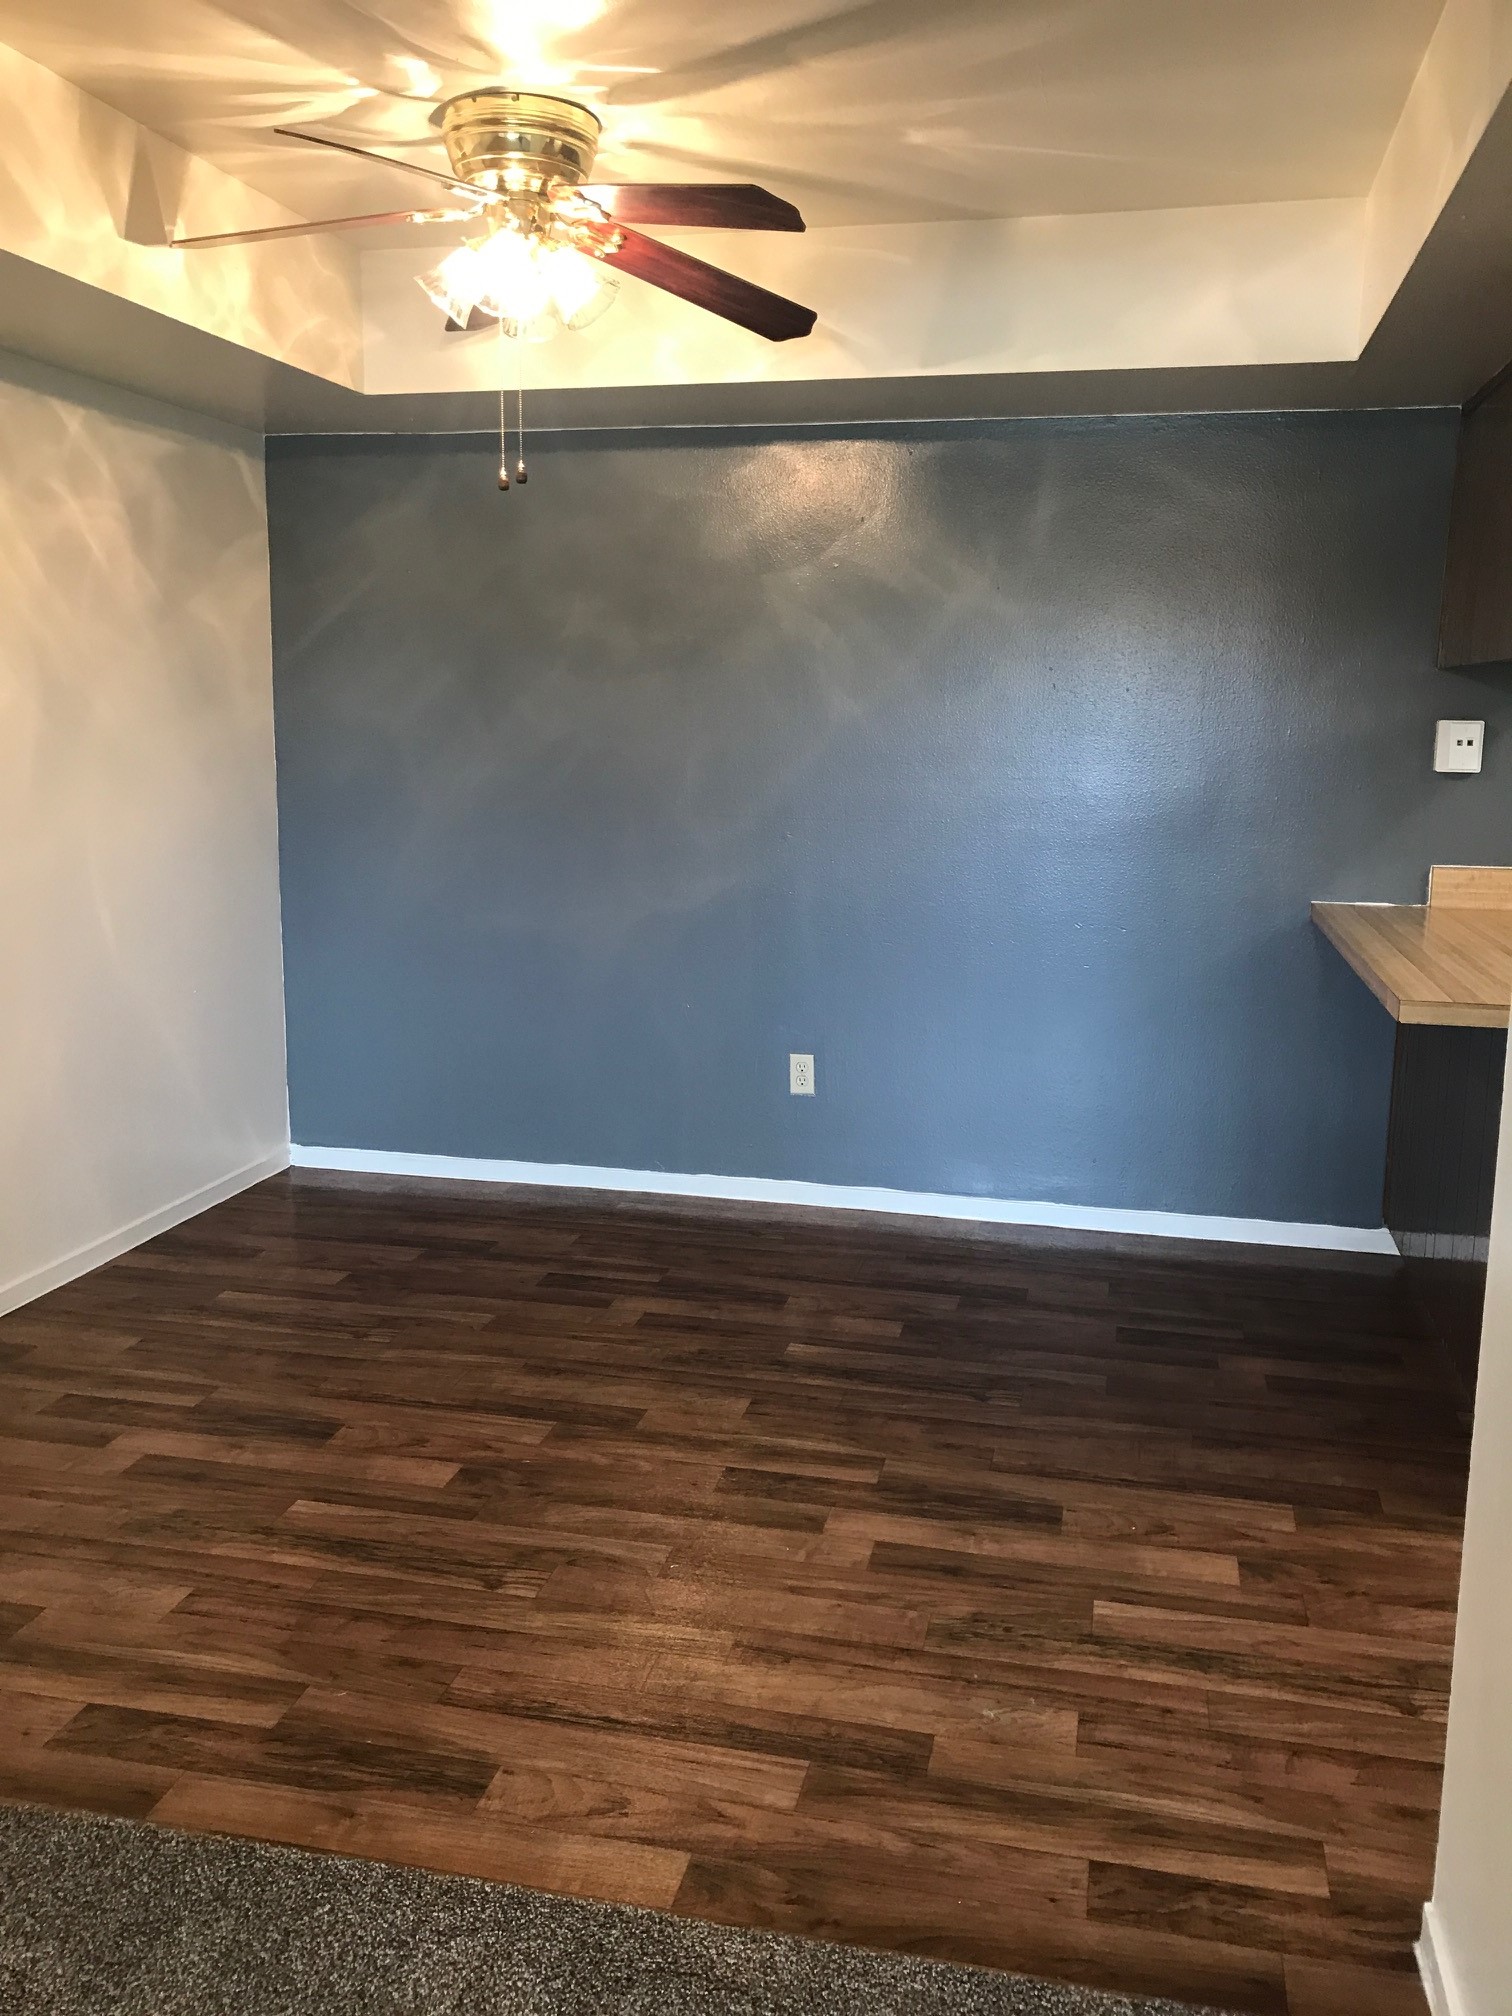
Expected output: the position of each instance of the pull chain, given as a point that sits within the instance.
(521, 473)
(502, 434)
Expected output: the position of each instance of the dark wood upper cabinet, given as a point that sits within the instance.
(1476, 624)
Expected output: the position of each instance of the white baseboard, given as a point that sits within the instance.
(13, 1294)
(842, 1197)
(1440, 1982)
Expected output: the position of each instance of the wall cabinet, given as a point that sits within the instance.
(1476, 624)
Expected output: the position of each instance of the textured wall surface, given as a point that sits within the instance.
(141, 1024)
(996, 765)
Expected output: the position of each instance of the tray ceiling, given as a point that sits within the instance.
(880, 111)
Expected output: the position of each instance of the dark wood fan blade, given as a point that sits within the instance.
(388, 161)
(724, 294)
(269, 231)
(720, 206)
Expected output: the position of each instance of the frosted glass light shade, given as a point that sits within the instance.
(529, 285)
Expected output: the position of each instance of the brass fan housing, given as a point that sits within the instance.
(518, 142)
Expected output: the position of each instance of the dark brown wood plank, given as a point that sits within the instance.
(1081, 1608)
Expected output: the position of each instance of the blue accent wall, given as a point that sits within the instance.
(996, 764)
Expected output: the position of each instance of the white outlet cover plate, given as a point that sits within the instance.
(801, 1073)
(1457, 746)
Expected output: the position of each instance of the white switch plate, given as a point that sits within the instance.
(800, 1074)
(1457, 746)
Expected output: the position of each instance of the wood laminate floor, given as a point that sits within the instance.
(1074, 1611)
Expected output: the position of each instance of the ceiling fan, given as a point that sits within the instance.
(549, 237)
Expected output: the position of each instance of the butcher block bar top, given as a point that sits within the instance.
(1447, 961)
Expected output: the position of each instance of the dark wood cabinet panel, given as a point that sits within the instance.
(1446, 1099)
(1476, 625)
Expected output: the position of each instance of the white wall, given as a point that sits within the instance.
(1243, 283)
(1465, 74)
(141, 1010)
(1467, 1945)
(93, 196)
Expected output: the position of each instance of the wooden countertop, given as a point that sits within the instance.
(1446, 961)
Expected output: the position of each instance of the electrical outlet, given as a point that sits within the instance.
(1457, 746)
(800, 1074)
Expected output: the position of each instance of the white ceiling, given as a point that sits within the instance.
(862, 111)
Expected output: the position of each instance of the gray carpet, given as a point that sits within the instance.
(113, 1918)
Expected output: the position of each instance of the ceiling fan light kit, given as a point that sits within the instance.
(552, 240)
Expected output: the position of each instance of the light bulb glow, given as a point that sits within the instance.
(581, 289)
(528, 284)
(525, 35)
